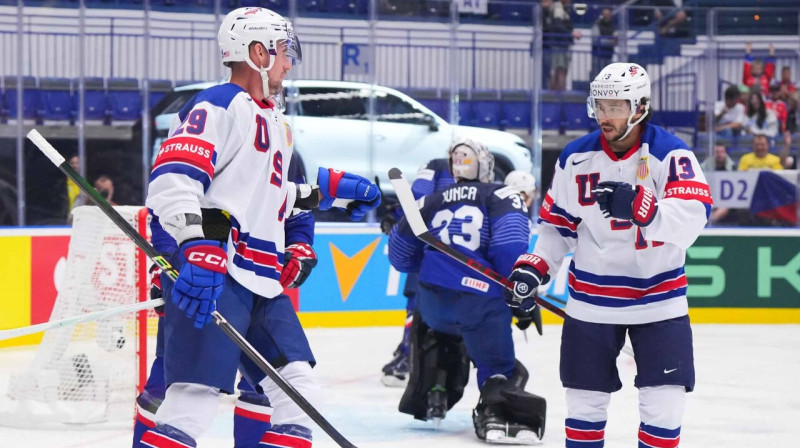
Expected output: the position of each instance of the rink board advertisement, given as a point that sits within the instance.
(735, 276)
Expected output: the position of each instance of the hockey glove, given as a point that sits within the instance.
(298, 260)
(155, 288)
(621, 201)
(528, 273)
(204, 264)
(335, 184)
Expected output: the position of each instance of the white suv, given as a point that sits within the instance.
(331, 128)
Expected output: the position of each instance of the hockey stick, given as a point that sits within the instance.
(88, 317)
(403, 191)
(151, 253)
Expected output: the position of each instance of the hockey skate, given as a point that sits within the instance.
(492, 428)
(395, 372)
(504, 406)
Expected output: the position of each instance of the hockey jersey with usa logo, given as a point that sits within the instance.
(487, 222)
(228, 151)
(622, 273)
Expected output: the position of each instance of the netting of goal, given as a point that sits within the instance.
(89, 372)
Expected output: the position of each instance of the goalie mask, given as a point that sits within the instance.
(470, 160)
(620, 81)
(243, 26)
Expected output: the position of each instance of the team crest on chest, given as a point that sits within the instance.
(643, 170)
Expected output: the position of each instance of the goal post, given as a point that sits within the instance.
(89, 372)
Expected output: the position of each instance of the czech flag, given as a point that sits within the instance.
(774, 198)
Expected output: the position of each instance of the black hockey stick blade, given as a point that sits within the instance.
(409, 205)
(150, 251)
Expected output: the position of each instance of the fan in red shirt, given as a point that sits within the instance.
(757, 72)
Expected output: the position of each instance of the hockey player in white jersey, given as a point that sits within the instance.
(227, 156)
(628, 200)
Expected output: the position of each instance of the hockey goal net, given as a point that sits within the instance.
(89, 372)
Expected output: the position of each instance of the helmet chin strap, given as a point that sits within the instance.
(263, 72)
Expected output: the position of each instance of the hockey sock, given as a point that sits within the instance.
(654, 437)
(287, 436)
(146, 407)
(166, 437)
(251, 419)
(583, 434)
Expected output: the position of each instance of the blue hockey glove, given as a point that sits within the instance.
(528, 273)
(204, 264)
(335, 184)
(621, 201)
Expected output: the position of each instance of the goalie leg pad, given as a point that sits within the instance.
(434, 358)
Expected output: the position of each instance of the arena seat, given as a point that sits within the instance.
(486, 108)
(124, 99)
(95, 107)
(30, 97)
(55, 99)
(516, 105)
(158, 89)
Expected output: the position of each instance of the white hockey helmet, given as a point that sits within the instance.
(470, 160)
(243, 26)
(522, 181)
(621, 81)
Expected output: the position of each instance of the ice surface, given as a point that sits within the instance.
(747, 395)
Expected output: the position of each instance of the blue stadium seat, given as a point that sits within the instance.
(55, 99)
(575, 116)
(551, 115)
(158, 89)
(124, 99)
(94, 107)
(486, 108)
(30, 97)
(516, 109)
(347, 6)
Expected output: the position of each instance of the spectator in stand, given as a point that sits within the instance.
(760, 120)
(558, 35)
(787, 160)
(675, 24)
(604, 40)
(777, 105)
(758, 73)
(791, 114)
(105, 186)
(721, 161)
(786, 80)
(729, 115)
(73, 191)
(760, 158)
